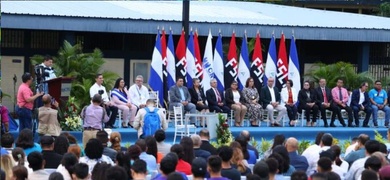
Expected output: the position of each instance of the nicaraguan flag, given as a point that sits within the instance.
(191, 68)
(293, 67)
(219, 66)
(171, 68)
(156, 70)
(270, 67)
(243, 66)
(208, 65)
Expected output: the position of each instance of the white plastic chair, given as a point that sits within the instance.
(179, 123)
(154, 95)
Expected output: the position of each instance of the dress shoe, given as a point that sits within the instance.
(326, 125)
(276, 125)
(344, 125)
(350, 125)
(332, 125)
(376, 125)
(254, 125)
(365, 125)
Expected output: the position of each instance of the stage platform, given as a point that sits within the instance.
(129, 135)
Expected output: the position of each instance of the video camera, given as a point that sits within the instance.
(100, 92)
(40, 73)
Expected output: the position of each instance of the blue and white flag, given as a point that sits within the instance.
(243, 65)
(208, 65)
(190, 57)
(156, 70)
(219, 66)
(270, 67)
(171, 68)
(293, 66)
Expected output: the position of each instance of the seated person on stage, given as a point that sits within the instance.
(325, 102)
(121, 100)
(4, 116)
(289, 98)
(235, 100)
(379, 101)
(251, 96)
(179, 96)
(270, 97)
(361, 102)
(340, 98)
(197, 96)
(307, 101)
(98, 88)
(215, 99)
(138, 93)
(48, 122)
(140, 122)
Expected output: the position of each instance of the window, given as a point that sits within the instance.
(44, 40)
(140, 67)
(12, 38)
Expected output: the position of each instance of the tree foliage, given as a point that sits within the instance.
(384, 9)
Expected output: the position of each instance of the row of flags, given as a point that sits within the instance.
(188, 64)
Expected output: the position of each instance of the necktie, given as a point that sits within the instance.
(324, 94)
(218, 96)
(340, 95)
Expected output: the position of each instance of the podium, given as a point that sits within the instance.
(59, 88)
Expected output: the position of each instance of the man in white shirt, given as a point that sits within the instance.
(312, 153)
(139, 93)
(111, 109)
(47, 72)
(270, 97)
(358, 166)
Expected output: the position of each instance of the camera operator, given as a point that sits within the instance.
(48, 122)
(45, 72)
(98, 88)
(25, 101)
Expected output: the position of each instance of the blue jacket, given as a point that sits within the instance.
(356, 96)
(299, 162)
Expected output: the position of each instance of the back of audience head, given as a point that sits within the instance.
(281, 163)
(319, 137)
(196, 140)
(319, 176)
(116, 173)
(298, 175)
(383, 148)
(99, 171)
(6, 164)
(362, 139)
(168, 163)
(81, 171)
(142, 144)
(273, 166)
(61, 145)
(56, 176)
(7, 140)
(123, 160)
(94, 149)
(115, 139)
(373, 163)
(324, 165)
(281, 150)
(326, 140)
(246, 134)
(329, 154)
(18, 155)
(159, 135)
(47, 142)
(226, 153)
(139, 167)
(337, 151)
(369, 175)
(25, 139)
(372, 146)
(178, 150)
(175, 176)
(278, 140)
(382, 157)
(19, 172)
(214, 164)
(199, 168)
(291, 144)
(244, 146)
(75, 149)
(134, 152)
(151, 143)
(36, 161)
(102, 136)
(204, 134)
(384, 173)
(188, 148)
(71, 138)
(261, 169)
(253, 177)
(332, 175)
(69, 160)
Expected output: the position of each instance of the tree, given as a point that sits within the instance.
(384, 9)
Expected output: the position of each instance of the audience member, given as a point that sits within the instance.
(261, 169)
(123, 160)
(94, 154)
(162, 147)
(168, 165)
(146, 120)
(249, 155)
(116, 173)
(237, 161)
(37, 164)
(48, 122)
(227, 170)
(369, 175)
(182, 166)
(324, 165)
(373, 163)
(358, 166)
(151, 143)
(319, 176)
(19, 172)
(274, 169)
(102, 136)
(299, 162)
(299, 175)
(61, 145)
(384, 173)
(52, 159)
(360, 151)
(138, 170)
(110, 107)
(134, 152)
(149, 159)
(7, 142)
(7, 164)
(333, 176)
(67, 166)
(75, 149)
(115, 139)
(339, 161)
(26, 142)
(337, 169)
(205, 136)
(351, 147)
(214, 166)
(56, 176)
(175, 176)
(288, 169)
(279, 139)
(99, 171)
(20, 158)
(199, 168)
(81, 172)
(312, 153)
(247, 135)
(197, 151)
(188, 149)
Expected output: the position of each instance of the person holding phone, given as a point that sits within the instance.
(48, 122)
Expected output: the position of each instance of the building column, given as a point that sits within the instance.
(363, 57)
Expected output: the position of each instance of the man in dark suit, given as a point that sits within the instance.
(179, 96)
(270, 97)
(361, 102)
(325, 102)
(205, 137)
(216, 99)
(299, 162)
(247, 136)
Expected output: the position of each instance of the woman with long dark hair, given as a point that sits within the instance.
(151, 143)
(251, 97)
(26, 142)
(188, 147)
(249, 155)
(278, 140)
(123, 160)
(281, 150)
(121, 99)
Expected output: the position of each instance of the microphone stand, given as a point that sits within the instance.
(15, 80)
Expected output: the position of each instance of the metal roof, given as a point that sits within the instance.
(145, 16)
